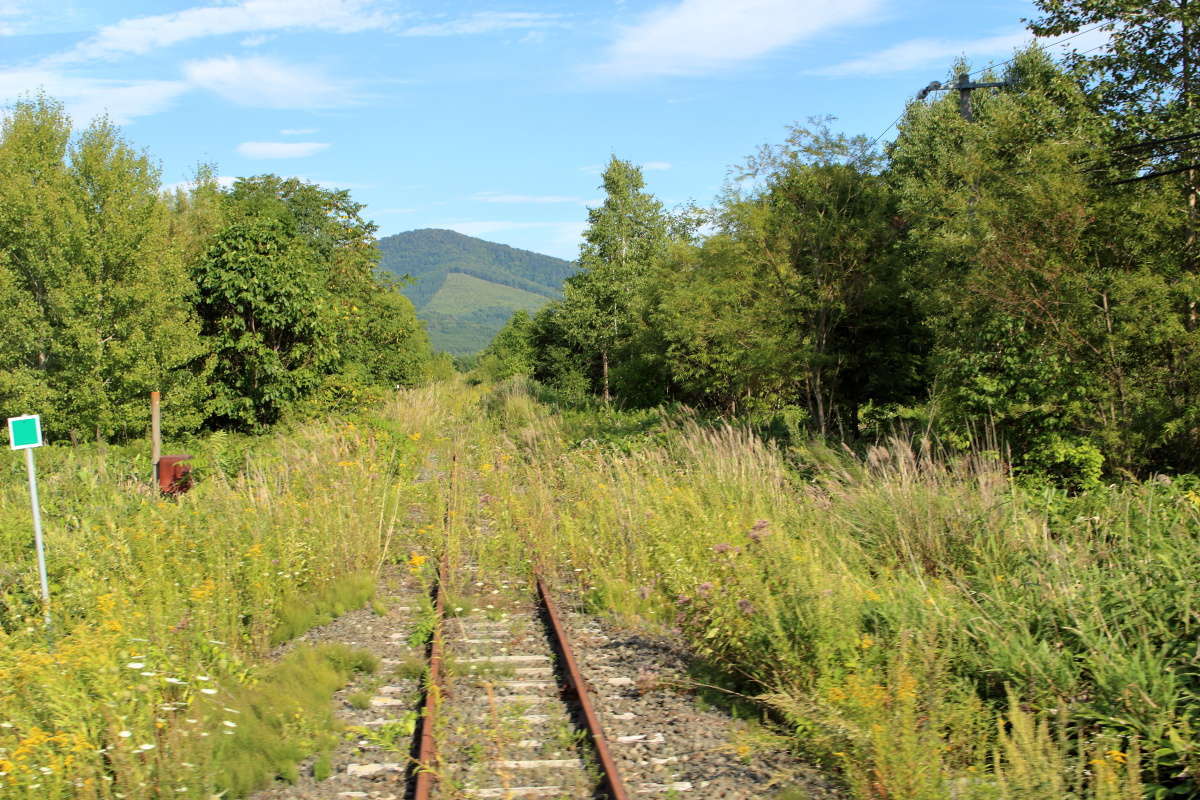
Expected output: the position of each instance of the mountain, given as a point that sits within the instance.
(465, 288)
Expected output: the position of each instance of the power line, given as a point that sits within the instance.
(885, 130)
(1159, 174)
(1047, 46)
(994, 66)
(1152, 143)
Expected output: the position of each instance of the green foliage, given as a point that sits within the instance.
(259, 294)
(387, 343)
(282, 719)
(198, 591)
(297, 614)
(981, 278)
(511, 352)
(925, 625)
(292, 308)
(724, 342)
(462, 294)
(238, 306)
(97, 296)
(427, 256)
(626, 237)
(468, 312)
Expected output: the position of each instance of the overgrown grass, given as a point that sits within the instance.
(165, 611)
(927, 627)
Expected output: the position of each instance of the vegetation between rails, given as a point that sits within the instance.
(925, 626)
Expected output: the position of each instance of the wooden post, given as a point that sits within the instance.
(155, 439)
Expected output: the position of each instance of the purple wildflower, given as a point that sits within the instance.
(722, 548)
(704, 589)
(745, 606)
(758, 530)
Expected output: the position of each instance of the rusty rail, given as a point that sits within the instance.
(577, 686)
(427, 751)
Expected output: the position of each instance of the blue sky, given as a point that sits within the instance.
(492, 119)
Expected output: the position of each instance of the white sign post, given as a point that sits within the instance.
(25, 433)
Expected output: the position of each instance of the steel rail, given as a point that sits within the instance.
(578, 687)
(427, 751)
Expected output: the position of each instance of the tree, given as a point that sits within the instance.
(259, 295)
(291, 303)
(725, 342)
(1051, 296)
(99, 296)
(626, 236)
(511, 350)
(1145, 80)
(387, 345)
(823, 229)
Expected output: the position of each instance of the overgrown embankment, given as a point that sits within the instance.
(928, 628)
(154, 679)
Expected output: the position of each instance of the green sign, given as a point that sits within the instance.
(25, 432)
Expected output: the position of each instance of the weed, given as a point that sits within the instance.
(166, 611)
(322, 767)
(410, 668)
(360, 700)
(395, 735)
(298, 614)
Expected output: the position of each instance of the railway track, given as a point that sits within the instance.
(506, 712)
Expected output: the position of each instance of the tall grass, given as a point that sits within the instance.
(928, 627)
(154, 677)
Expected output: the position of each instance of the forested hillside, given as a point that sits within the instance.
(465, 288)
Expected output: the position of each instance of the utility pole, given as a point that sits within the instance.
(964, 87)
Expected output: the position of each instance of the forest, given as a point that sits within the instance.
(1022, 280)
(241, 304)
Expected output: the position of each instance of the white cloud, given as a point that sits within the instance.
(266, 83)
(923, 53)
(656, 166)
(144, 34)
(87, 98)
(486, 22)
(497, 197)
(256, 41)
(281, 149)
(8, 10)
(693, 37)
(297, 131)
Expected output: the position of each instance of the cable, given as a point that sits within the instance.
(994, 66)
(885, 130)
(1152, 143)
(1152, 175)
(1047, 46)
